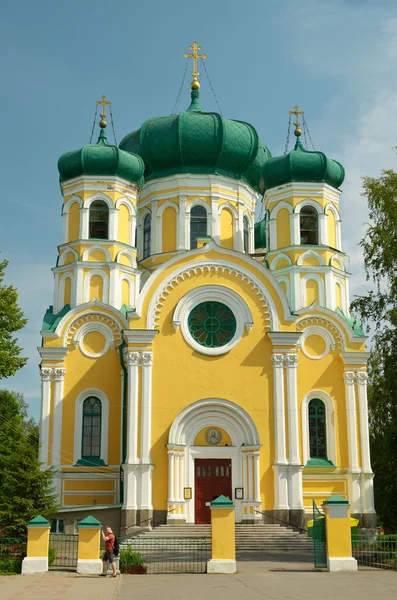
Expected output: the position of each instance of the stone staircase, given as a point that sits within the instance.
(258, 538)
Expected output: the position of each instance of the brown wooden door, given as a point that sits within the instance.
(213, 478)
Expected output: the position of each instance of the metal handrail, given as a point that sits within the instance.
(124, 529)
(262, 512)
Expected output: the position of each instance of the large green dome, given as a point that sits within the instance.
(302, 165)
(101, 159)
(199, 142)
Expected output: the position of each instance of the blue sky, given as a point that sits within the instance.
(337, 60)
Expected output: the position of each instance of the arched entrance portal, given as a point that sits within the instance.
(213, 445)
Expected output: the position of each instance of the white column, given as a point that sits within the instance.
(46, 375)
(59, 375)
(130, 500)
(244, 474)
(84, 223)
(181, 474)
(272, 241)
(329, 291)
(182, 223)
(171, 475)
(65, 227)
(113, 223)
(250, 477)
(177, 475)
(338, 235)
(139, 241)
(239, 237)
(362, 379)
(292, 396)
(322, 229)
(57, 299)
(215, 219)
(146, 423)
(79, 284)
(279, 412)
(349, 378)
(114, 286)
(132, 360)
(294, 224)
(257, 477)
(154, 238)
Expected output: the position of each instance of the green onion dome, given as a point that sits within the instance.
(302, 165)
(196, 141)
(101, 159)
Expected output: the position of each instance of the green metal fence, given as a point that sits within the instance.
(319, 538)
(170, 555)
(65, 547)
(12, 548)
(375, 552)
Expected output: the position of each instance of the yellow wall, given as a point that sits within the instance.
(125, 292)
(96, 288)
(169, 229)
(70, 258)
(92, 485)
(67, 291)
(124, 224)
(331, 229)
(97, 256)
(38, 541)
(311, 261)
(74, 222)
(124, 260)
(283, 234)
(312, 294)
(89, 543)
(282, 264)
(223, 534)
(338, 296)
(226, 229)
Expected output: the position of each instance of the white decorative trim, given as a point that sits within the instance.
(275, 262)
(94, 321)
(128, 203)
(339, 260)
(308, 202)
(98, 196)
(78, 423)
(323, 322)
(128, 254)
(282, 279)
(330, 424)
(131, 299)
(321, 332)
(279, 206)
(159, 224)
(351, 418)
(316, 255)
(105, 251)
(61, 291)
(218, 293)
(284, 338)
(59, 376)
(355, 358)
(280, 456)
(87, 284)
(78, 338)
(303, 190)
(56, 354)
(65, 254)
(321, 292)
(69, 202)
(139, 336)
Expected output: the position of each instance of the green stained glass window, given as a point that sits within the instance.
(212, 324)
(92, 415)
(317, 429)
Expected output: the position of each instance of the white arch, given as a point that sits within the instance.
(78, 423)
(337, 259)
(87, 282)
(330, 424)
(68, 204)
(281, 256)
(167, 204)
(98, 196)
(103, 328)
(308, 202)
(62, 258)
(287, 286)
(128, 254)
(213, 411)
(97, 247)
(198, 202)
(128, 203)
(61, 291)
(278, 207)
(341, 284)
(330, 206)
(321, 292)
(131, 300)
(230, 207)
(311, 253)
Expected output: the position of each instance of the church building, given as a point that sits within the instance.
(191, 351)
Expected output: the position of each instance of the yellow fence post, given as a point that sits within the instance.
(88, 560)
(36, 560)
(338, 533)
(223, 537)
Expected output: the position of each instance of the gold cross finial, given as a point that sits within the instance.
(297, 112)
(195, 55)
(103, 102)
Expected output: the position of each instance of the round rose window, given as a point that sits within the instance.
(212, 324)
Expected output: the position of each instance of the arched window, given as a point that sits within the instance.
(198, 224)
(92, 417)
(99, 220)
(309, 225)
(246, 234)
(147, 235)
(317, 429)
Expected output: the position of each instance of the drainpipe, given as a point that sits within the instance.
(124, 420)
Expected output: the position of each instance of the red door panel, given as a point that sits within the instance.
(213, 478)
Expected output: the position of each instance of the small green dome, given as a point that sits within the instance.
(101, 159)
(199, 142)
(302, 165)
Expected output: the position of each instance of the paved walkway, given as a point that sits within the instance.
(277, 577)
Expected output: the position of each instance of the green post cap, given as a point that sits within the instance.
(39, 522)
(335, 501)
(90, 522)
(222, 502)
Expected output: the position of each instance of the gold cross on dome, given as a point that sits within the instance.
(104, 103)
(296, 112)
(194, 55)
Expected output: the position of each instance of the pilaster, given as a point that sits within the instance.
(59, 376)
(46, 376)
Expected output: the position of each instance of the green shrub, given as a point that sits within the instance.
(132, 562)
(10, 566)
(52, 554)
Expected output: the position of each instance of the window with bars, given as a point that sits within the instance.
(317, 429)
(92, 417)
(198, 224)
(99, 220)
(246, 234)
(147, 235)
(309, 225)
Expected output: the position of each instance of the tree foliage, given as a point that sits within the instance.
(25, 490)
(11, 320)
(379, 309)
